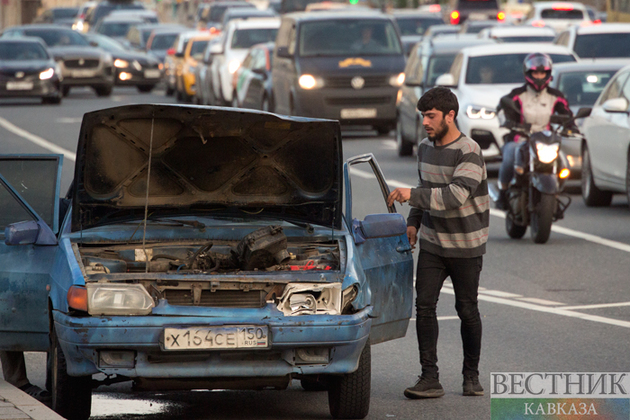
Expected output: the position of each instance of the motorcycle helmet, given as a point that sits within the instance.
(537, 62)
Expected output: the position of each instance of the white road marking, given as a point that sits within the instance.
(37, 140)
(543, 302)
(441, 318)
(500, 294)
(69, 120)
(599, 305)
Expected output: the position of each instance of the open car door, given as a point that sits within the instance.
(29, 192)
(385, 253)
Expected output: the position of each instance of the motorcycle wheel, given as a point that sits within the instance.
(542, 218)
(514, 231)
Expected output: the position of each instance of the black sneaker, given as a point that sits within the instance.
(472, 387)
(425, 388)
(502, 202)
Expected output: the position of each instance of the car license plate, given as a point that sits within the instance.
(22, 85)
(211, 338)
(152, 74)
(83, 73)
(351, 113)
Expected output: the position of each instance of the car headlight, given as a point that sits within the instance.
(233, 66)
(121, 64)
(475, 112)
(311, 299)
(547, 153)
(307, 81)
(47, 74)
(118, 299)
(397, 80)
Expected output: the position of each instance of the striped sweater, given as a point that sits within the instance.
(451, 206)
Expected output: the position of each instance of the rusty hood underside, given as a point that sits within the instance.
(203, 159)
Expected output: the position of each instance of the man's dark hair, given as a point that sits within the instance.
(440, 98)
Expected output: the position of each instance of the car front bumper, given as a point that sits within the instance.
(486, 133)
(40, 88)
(134, 77)
(84, 338)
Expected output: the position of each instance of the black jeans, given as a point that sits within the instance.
(464, 273)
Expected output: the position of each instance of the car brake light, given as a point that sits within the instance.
(170, 51)
(435, 8)
(562, 6)
(501, 16)
(538, 23)
(597, 22)
(454, 17)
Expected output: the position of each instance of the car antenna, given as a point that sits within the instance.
(146, 200)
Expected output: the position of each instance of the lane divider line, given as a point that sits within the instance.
(599, 305)
(37, 140)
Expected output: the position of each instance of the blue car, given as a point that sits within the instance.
(200, 247)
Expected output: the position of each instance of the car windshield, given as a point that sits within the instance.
(416, 25)
(438, 65)
(198, 47)
(348, 37)
(477, 4)
(583, 88)
(613, 45)
(526, 38)
(103, 10)
(218, 11)
(14, 51)
(55, 38)
(108, 44)
(502, 68)
(115, 28)
(561, 14)
(163, 41)
(246, 38)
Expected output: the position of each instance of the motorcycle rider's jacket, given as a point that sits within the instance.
(536, 108)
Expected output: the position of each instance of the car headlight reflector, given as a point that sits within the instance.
(476, 112)
(311, 299)
(46, 74)
(118, 299)
(307, 81)
(121, 64)
(547, 153)
(397, 80)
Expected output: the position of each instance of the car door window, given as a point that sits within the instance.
(456, 67)
(11, 209)
(563, 39)
(292, 40)
(614, 88)
(413, 69)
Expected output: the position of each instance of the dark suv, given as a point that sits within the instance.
(346, 66)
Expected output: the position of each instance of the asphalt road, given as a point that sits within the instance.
(559, 307)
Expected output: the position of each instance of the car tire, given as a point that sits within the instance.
(349, 394)
(145, 88)
(593, 196)
(71, 395)
(103, 90)
(404, 147)
(65, 90)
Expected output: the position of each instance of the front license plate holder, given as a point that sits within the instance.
(152, 74)
(356, 113)
(216, 338)
(20, 85)
(82, 74)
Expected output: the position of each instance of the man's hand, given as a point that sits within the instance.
(412, 235)
(402, 195)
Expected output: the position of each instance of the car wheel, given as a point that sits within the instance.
(405, 148)
(103, 90)
(593, 196)
(145, 88)
(65, 90)
(71, 395)
(349, 395)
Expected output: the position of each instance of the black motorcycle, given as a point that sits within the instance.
(535, 196)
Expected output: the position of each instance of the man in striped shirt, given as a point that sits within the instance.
(450, 208)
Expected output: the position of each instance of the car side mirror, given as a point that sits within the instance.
(583, 112)
(445, 79)
(216, 49)
(616, 105)
(379, 226)
(283, 52)
(29, 233)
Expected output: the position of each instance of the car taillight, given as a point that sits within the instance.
(501, 16)
(455, 17)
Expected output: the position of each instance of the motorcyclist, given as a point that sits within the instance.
(536, 102)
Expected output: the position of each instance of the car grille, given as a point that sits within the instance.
(344, 82)
(87, 64)
(11, 73)
(219, 298)
(380, 100)
(484, 138)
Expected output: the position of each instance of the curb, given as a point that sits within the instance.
(17, 405)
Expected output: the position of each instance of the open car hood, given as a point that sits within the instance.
(229, 162)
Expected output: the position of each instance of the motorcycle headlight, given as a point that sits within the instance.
(118, 299)
(547, 153)
(46, 74)
(397, 80)
(121, 64)
(307, 81)
(476, 112)
(311, 299)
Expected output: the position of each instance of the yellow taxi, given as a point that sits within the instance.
(193, 53)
